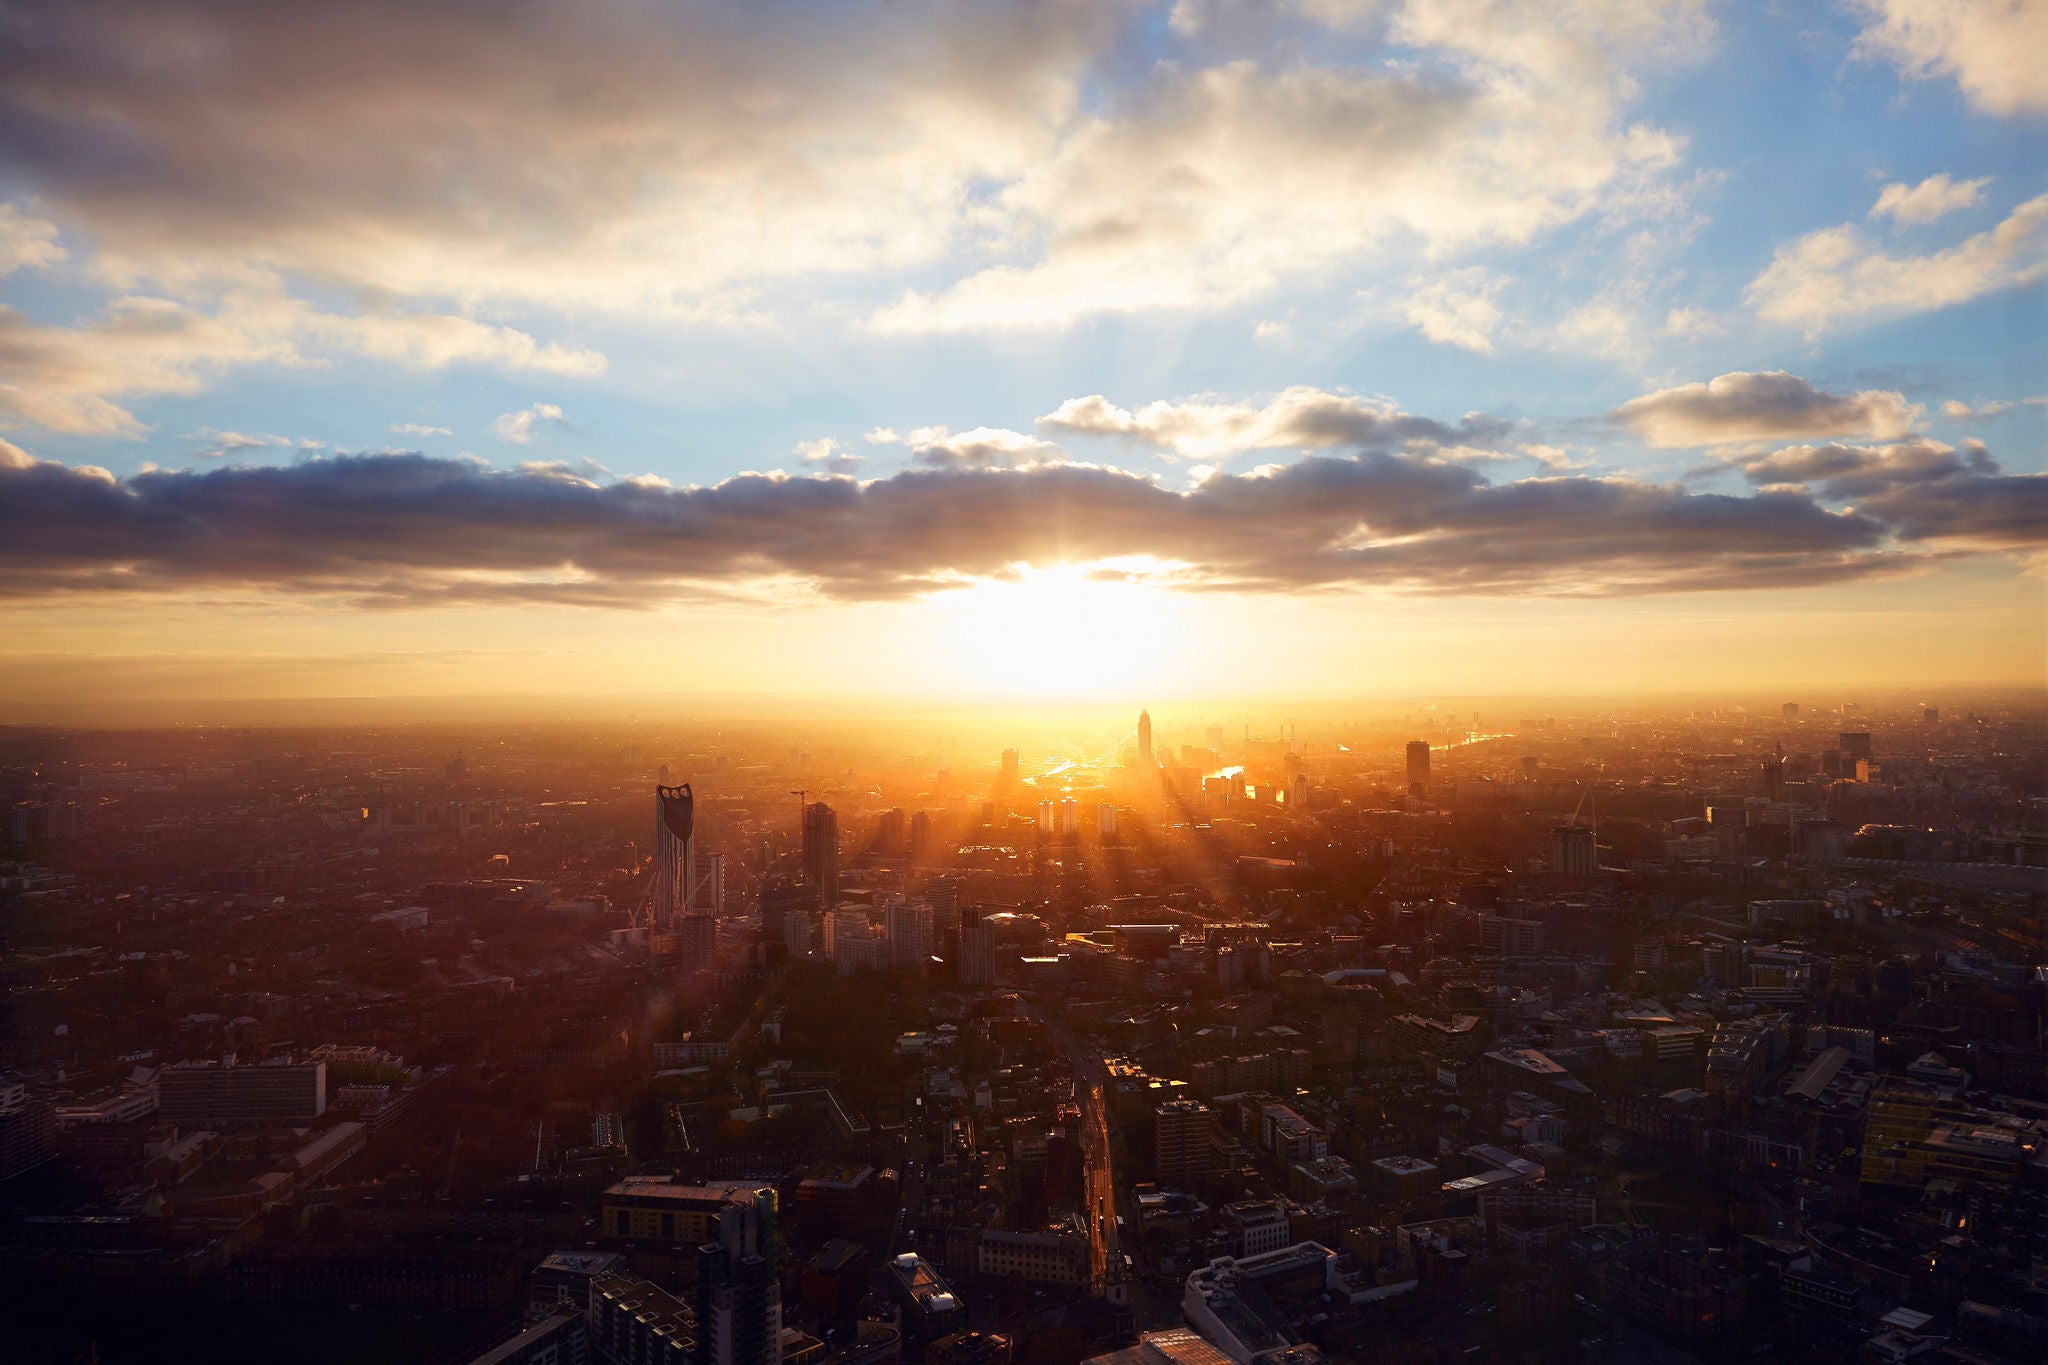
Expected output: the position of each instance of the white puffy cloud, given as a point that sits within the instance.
(75, 378)
(595, 154)
(824, 453)
(1740, 408)
(218, 445)
(1935, 197)
(1838, 275)
(1458, 309)
(1692, 322)
(1992, 48)
(418, 429)
(1957, 411)
(1208, 428)
(982, 448)
(1206, 186)
(519, 427)
(25, 242)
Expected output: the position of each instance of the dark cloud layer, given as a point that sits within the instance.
(1923, 489)
(409, 529)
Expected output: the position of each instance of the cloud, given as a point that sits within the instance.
(409, 529)
(1458, 309)
(1838, 275)
(1300, 418)
(76, 378)
(1744, 407)
(1992, 48)
(26, 243)
(1935, 197)
(1963, 412)
(712, 159)
(824, 453)
(519, 427)
(585, 154)
(1202, 187)
(217, 445)
(982, 448)
(1924, 489)
(1692, 322)
(1956, 411)
(418, 429)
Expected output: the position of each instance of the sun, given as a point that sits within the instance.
(1064, 631)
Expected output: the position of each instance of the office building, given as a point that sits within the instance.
(675, 855)
(977, 955)
(1573, 852)
(224, 1095)
(834, 1283)
(821, 854)
(1510, 937)
(1070, 817)
(929, 1307)
(1105, 820)
(1145, 740)
(1790, 710)
(1256, 1226)
(28, 1128)
(909, 924)
(1059, 1255)
(1180, 1142)
(1418, 766)
(1854, 745)
(1048, 816)
(892, 832)
(1009, 769)
(658, 1209)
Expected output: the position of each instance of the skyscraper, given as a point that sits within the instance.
(821, 853)
(675, 854)
(1145, 740)
(1573, 851)
(1009, 773)
(1418, 766)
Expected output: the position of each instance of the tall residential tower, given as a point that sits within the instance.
(675, 854)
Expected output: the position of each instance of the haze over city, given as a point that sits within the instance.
(1073, 682)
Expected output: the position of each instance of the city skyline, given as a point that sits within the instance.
(1050, 352)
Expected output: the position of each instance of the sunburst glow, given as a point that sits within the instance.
(1063, 631)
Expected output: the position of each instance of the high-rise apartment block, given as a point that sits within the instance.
(1573, 851)
(821, 853)
(910, 934)
(1180, 1142)
(675, 854)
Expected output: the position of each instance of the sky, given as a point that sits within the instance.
(1307, 348)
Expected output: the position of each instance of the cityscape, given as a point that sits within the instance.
(1603, 1032)
(1024, 682)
